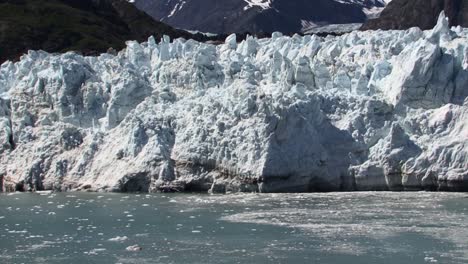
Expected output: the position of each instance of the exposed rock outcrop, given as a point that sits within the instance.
(404, 14)
(87, 26)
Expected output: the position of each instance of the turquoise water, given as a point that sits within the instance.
(239, 228)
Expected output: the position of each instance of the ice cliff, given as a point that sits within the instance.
(375, 110)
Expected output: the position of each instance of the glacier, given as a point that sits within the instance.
(373, 110)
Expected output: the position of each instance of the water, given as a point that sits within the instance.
(240, 228)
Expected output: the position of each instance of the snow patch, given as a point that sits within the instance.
(177, 8)
(263, 4)
(118, 239)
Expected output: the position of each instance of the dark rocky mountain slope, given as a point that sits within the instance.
(88, 26)
(404, 14)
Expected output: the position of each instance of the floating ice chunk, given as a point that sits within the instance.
(134, 248)
(95, 251)
(118, 239)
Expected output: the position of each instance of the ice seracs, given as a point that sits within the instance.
(382, 110)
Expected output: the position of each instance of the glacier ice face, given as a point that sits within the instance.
(382, 110)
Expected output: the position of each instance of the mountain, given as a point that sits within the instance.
(404, 14)
(89, 26)
(369, 110)
(287, 16)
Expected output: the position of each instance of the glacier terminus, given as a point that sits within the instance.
(370, 110)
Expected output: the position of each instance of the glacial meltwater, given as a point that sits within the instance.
(333, 228)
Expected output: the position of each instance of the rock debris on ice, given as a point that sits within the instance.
(382, 110)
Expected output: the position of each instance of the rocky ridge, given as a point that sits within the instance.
(87, 26)
(404, 14)
(259, 16)
(375, 110)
